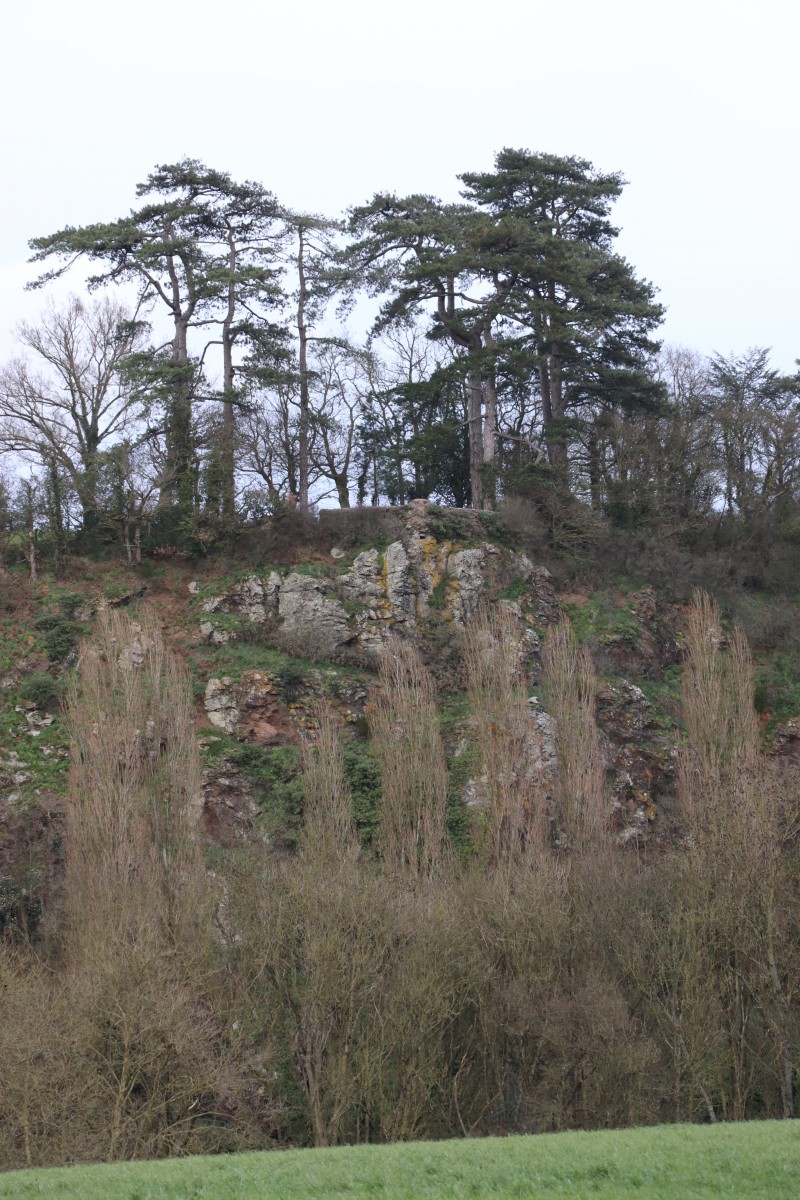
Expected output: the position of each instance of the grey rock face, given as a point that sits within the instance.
(400, 590)
(133, 655)
(468, 569)
(217, 637)
(382, 593)
(362, 583)
(226, 809)
(541, 750)
(543, 599)
(248, 598)
(221, 705)
(537, 762)
(272, 592)
(428, 563)
(312, 615)
(250, 709)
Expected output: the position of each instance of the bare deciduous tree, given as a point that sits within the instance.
(68, 400)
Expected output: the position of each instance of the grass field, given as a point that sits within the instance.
(677, 1162)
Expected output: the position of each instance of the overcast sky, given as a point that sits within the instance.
(326, 103)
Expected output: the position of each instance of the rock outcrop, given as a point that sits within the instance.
(313, 617)
(354, 612)
(249, 709)
(227, 807)
(249, 599)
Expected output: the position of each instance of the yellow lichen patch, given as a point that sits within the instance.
(429, 547)
(434, 556)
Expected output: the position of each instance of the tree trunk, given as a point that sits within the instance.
(30, 545)
(594, 472)
(490, 417)
(556, 440)
(342, 490)
(302, 334)
(475, 423)
(228, 433)
(179, 422)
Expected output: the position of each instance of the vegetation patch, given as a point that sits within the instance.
(778, 686)
(59, 636)
(42, 690)
(274, 772)
(363, 777)
(603, 620)
(438, 597)
(515, 590)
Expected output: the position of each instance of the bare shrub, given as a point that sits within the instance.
(404, 723)
(15, 592)
(404, 1060)
(570, 684)
(311, 943)
(518, 923)
(50, 1106)
(512, 778)
(717, 691)
(725, 957)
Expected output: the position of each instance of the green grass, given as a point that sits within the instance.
(603, 620)
(778, 685)
(756, 1161)
(516, 590)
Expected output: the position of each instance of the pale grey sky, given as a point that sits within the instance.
(696, 103)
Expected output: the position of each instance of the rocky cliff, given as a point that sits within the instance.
(264, 645)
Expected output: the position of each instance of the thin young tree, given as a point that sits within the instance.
(512, 774)
(570, 685)
(739, 812)
(404, 723)
(138, 901)
(329, 832)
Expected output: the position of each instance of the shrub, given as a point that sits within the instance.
(275, 771)
(42, 690)
(69, 603)
(14, 592)
(454, 525)
(407, 745)
(59, 636)
(75, 567)
(291, 677)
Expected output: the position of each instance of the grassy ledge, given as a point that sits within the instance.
(677, 1162)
